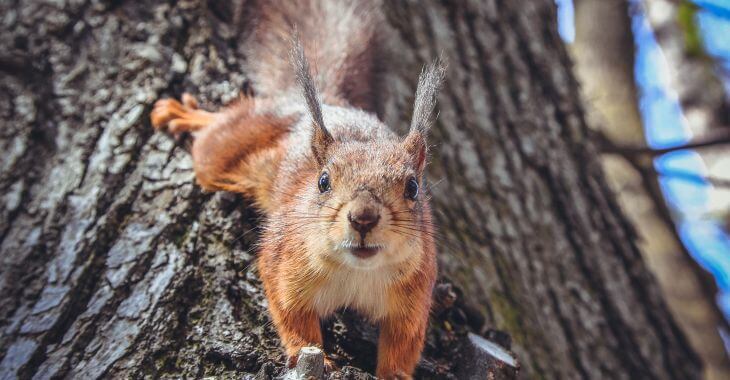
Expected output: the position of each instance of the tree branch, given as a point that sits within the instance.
(718, 136)
(694, 177)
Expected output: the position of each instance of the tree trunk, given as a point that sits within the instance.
(604, 55)
(116, 265)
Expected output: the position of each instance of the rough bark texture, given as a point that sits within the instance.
(114, 264)
(604, 56)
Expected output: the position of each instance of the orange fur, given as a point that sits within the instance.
(241, 151)
(263, 147)
(233, 150)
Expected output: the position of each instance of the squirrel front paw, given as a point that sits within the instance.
(180, 117)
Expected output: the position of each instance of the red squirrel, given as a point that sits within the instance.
(347, 222)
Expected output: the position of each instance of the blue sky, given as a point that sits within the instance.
(664, 127)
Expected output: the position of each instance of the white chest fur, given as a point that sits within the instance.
(360, 289)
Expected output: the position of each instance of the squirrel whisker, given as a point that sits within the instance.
(347, 216)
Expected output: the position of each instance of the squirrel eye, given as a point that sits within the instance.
(411, 189)
(324, 182)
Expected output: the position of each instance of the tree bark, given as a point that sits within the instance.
(116, 265)
(604, 55)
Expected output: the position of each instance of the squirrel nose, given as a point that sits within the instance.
(363, 222)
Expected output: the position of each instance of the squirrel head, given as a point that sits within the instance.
(370, 209)
(369, 203)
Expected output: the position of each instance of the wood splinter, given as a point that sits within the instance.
(484, 359)
(310, 365)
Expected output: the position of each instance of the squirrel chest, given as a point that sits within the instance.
(363, 290)
(347, 226)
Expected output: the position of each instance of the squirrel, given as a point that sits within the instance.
(347, 224)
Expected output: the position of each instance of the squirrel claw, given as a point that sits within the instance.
(189, 101)
(180, 117)
(329, 365)
(291, 361)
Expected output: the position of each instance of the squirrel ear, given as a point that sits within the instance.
(321, 138)
(428, 87)
(415, 145)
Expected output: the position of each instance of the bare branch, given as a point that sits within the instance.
(717, 136)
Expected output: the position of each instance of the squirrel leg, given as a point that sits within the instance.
(296, 330)
(234, 149)
(400, 345)
(181, 117)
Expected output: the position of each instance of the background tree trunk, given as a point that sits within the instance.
(695, 76)
(604, 54)
(115, 264)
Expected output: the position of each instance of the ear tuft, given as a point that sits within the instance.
(321, 138)
(429, 84)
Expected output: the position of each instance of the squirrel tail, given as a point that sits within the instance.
(342, 40)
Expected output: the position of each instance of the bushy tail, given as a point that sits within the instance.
(341, 39)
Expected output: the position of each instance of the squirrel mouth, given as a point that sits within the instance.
(364, 252)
